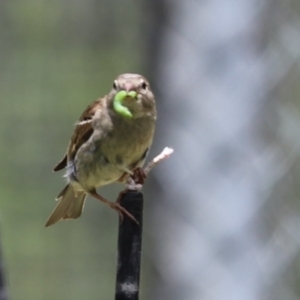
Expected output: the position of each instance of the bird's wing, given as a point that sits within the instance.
(61, 165)
(82, 133)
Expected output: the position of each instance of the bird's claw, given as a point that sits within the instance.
(122, 211)
(139, 176)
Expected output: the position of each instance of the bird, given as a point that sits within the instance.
(110, 142)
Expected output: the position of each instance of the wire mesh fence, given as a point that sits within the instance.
(227, 215)
(222, 214)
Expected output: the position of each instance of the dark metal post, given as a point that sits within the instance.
(3, 291)
(129, 248)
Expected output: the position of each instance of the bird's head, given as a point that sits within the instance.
(132, 96)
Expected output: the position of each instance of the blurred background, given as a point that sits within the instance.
(222, 215)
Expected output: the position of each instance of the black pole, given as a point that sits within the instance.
(129, 248)
(3, 291)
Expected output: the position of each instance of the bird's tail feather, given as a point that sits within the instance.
(70, 205)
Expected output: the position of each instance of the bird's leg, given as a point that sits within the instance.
(139, 176)
(114, 205)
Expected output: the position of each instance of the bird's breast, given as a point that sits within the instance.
(107, 155)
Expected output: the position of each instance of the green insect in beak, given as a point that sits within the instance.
(118, 103)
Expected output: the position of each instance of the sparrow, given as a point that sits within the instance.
(110, 142)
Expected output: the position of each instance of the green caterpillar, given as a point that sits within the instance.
(119, 107)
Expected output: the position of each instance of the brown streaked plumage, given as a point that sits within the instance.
(106, 147)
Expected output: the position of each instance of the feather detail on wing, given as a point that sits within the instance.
(61, 165)
(81, 134)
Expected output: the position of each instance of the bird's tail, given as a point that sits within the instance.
(70, 205)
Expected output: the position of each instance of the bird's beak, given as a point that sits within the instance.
(128, 86)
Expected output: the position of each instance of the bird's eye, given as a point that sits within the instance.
(144, 85)
(115, 86)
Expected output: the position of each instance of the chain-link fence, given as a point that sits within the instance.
(227, 211)
(222, 214)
